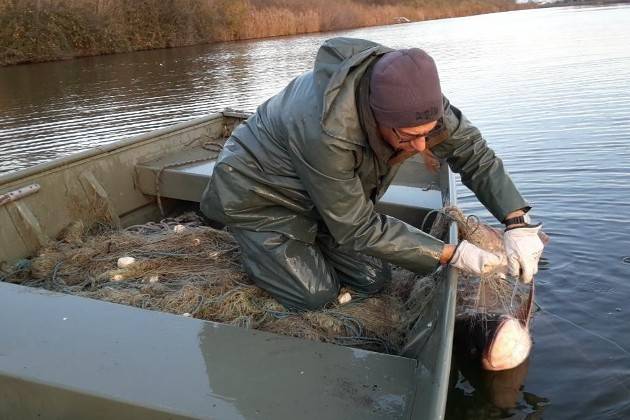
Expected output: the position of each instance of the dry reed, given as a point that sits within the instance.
(41, 30)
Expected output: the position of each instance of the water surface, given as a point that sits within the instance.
(550, 90)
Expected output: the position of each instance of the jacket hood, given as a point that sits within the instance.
(340, 63)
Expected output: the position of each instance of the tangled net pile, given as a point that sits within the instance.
(186, 268)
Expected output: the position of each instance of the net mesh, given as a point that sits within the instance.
(491, 294)
(184, 267)
(187, 268)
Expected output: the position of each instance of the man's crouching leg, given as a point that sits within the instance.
(362, 273)
(292, 271)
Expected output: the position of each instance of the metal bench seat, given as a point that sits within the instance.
(184, 175)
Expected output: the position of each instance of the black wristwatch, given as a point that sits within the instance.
(518, 220)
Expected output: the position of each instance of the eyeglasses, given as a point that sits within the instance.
(407, 137)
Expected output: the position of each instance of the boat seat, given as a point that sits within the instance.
(186, 173)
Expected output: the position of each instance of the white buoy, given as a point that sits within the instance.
(186, 314)
(154, 279)
(125, 261)
(179, 228)
(344, 298)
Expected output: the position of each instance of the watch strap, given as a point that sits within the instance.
(518, 220)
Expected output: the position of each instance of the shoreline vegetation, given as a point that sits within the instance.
(47, 30)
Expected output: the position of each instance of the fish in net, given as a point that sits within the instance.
(493, 311)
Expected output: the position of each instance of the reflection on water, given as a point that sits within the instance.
(53, 109)
(549, 89)
(476, 393)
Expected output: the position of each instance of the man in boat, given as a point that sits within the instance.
(298, 181)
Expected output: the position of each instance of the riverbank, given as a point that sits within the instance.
(47, 30)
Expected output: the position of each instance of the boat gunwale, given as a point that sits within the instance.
(438, 409)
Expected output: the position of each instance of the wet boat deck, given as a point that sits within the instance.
(85, 356)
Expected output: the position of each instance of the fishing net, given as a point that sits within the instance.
(491, 294)
(183, 267)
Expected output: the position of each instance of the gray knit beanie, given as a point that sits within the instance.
(405, 89)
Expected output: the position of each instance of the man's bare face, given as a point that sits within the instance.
(407, 139)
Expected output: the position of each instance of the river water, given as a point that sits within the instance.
(550, 90)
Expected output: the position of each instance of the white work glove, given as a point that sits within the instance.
(523, 248)
(473, 259)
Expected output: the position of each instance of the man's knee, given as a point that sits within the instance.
(372, 279)
(373, 283)
(368, 278)
(295, 273)
(363, 273)
(317, 300)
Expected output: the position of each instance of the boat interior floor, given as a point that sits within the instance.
(124, 357)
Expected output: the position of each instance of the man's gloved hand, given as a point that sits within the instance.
(523, 248)
(470, 258)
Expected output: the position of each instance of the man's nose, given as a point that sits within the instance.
(419, 144)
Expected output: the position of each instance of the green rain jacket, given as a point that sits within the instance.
(302, 162)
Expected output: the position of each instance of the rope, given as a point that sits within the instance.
(471, 224)
(426, 217)
(444, 212)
